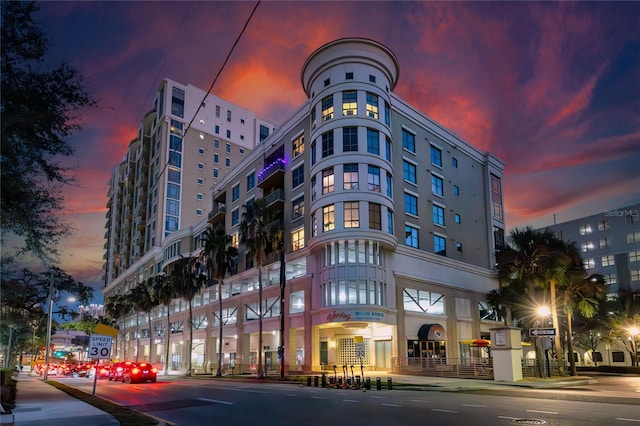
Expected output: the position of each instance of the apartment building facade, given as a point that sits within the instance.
(390, 227)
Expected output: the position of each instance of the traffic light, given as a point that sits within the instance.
(59, 354)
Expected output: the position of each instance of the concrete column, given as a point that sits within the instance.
(506, 350)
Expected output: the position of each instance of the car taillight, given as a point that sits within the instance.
(154, 370)
(119, 369)
(143, 364)
(135, 371)
(104, 370)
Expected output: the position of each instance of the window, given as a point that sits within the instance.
(200, 181)
(173, 207)
(298, 146)
(350, 176)
(610, 279)
(375, 216)
(218, 111)
(409, 172)
(235, 193)
(372, 78)
(297, 239)
(199, 196)
(229, 116)
(327, 82)
(327, 108)
(228, 134)
(313, 188)
(217, 130)
(438, 215)
(327, 144)
(235, 217)
(314, 225)
(373, 178)
(496, 197)
(297, 208)
(454, 162)
(198, 212)
(328, 218)
(216, 143)
(410, 204)
(349, 139)
(216, 158)
(327, 181)
(423, 301)
(215, 173)
(586, 247)
(456, 190)
(313, 154)
(635, 275)
(585, 229)
(348, 76)
(411, 236)
(389, 222)
(387, 114)
(387, 149)
(297, 176)
(351, 214)
(436, 156)
(173, 175)
(439, 245)
(200, 151)
(177, 102)
(589, 263)
(456, 218)
(634, 256)
(350, 103)
(459, 247)
(373, 142)
(173, 191)
(372, 105)
(251, 181)
(228, 147)
(608, 261)
(603, 225)
(296, 302)
(408, 141)
(633, 237)
(603, 243)
(437, 185)
(200, 166)
(389, 185)
(202, 136)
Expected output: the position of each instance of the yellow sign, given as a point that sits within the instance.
(106, 330)
(358, 339)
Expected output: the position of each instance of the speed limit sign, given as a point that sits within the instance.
(100, 347)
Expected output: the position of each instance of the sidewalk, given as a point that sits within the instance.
(38, 403)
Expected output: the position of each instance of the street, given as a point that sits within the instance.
(239, 402)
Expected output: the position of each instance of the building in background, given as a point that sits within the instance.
(390, 223)
(609, 243)
(94, 310)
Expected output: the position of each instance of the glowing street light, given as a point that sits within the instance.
(634, 331)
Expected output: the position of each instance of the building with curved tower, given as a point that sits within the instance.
(390, 221)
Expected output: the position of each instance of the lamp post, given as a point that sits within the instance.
(46, 349)
(634, 331)
(542, 312)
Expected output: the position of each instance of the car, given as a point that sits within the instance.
(140, 372)
(115, 373)
(102, 371)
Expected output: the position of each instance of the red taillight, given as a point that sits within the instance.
(104, 370)
(119, 369)
(135, 371)
(154, 370)
(143, 364)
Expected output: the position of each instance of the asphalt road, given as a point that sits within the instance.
(234, 402)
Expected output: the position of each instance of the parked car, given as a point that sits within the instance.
(140, 372)
(115, 373)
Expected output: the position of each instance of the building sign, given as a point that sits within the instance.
(344, 316)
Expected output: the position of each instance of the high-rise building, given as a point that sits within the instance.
(390, 227)
(609, 243)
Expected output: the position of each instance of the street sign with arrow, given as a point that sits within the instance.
(540, 332)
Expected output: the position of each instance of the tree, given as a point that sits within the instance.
(582, 295)
(164, 293)
(187, 282)
(117, 307)
(144, 301)
(39, 111)
(625, 316)
(258, 234)
(221, 257)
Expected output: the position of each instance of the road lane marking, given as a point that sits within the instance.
(622, 419)
(417, 400)
(318, 397)
(391, 405)
(474, 405)
(349, 400)
(508, 418)
(290, 394)
(542, 412)
(377, 397)
(217, 401)
(440, 410)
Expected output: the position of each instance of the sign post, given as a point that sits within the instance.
(99, 348)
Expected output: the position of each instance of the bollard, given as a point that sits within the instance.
(315, 381)
(389, 385)
(358, 382)
(308, 380)
(324, 380)
(339, 381)
(332, 381)
(367, 383)
(378, 383)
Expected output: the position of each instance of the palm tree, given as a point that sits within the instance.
(257, 233)
(117, 307)
(144, 301)
(221, 256)
(187, 282)
(164, 293)
(582, 295)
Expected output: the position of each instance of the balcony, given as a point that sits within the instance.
(275, 198)
(272, 175)
(217, 214)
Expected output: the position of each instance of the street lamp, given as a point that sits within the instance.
(542, 312)
(634, 331)
(46, 349)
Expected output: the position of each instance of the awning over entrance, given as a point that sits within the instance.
(431, 332)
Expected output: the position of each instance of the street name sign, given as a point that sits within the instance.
(540, 332)
(100, 347)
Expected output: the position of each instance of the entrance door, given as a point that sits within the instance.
(383, 354)
(324, 353)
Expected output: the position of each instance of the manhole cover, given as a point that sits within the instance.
(529, 421)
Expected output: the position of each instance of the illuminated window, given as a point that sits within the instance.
(350, 176)
(375, 216)
(634, 256)
(608, 261)
(350, 103)
(585, 229)
(372, 105)
(328, 218)
(298, 146)
(297, 239)
(351, 214)
(327, 108)
(297, 208)
(589, 263)
(328, 184)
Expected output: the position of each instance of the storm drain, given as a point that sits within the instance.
(529, 421)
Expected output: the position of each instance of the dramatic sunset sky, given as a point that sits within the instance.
(552, 89)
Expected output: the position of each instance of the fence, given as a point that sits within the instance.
(476, 368)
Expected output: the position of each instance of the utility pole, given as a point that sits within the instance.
(283, 280)
(46, 349)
